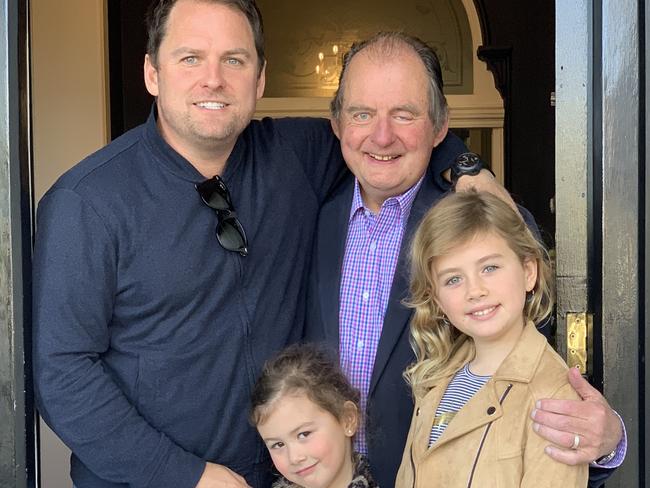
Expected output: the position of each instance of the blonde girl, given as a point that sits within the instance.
(307, 413)
(480, 281)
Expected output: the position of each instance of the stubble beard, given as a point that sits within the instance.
(214, 135)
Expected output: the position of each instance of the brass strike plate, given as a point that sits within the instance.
(579, 341)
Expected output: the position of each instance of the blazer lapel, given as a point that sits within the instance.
(397, 316)
(333, 231)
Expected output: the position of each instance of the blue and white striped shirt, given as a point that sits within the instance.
(462, 387)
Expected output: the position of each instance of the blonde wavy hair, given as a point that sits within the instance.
(440, 349)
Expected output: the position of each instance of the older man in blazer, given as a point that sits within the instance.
(391, 118)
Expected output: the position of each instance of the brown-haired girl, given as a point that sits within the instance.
(480, 281)
(307, 413)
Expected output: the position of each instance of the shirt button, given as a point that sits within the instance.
(365, 296)
(491, 410)
(359, 344)
(373, 246)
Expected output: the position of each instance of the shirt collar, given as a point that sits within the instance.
(176, 163)
(403, 201)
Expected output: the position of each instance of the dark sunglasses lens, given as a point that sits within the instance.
(215, 194)
(216, 201)
(231, 235)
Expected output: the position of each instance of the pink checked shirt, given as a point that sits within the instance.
(371, 251)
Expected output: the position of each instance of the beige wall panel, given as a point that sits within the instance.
(69, 86)
(69, 107)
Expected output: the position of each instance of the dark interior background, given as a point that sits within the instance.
(519, 47)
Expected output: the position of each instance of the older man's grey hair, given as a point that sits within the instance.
(384, 45)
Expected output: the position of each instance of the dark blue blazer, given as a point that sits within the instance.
(390, 404)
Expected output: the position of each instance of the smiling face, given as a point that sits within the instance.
(481, 286)
(308, 445)
(384, 126)
(205, 78)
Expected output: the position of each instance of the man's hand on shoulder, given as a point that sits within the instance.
(485, 181)
(217, 476)
(590, 420)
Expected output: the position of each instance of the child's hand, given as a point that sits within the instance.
(592, 419)
(217, 476)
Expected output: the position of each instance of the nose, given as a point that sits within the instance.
(383, 134)
(296, 454)
(213, 75)
(476, 288)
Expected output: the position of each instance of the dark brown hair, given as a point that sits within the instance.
(158, 15)
(307, 369)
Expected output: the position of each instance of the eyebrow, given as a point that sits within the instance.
(239, 52)
(406, 108)
(293, 432)
(400, 108)
(184, 50)
(359, 108)
(191, 50)
(489, 257)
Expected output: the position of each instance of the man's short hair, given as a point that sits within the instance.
(387, 44)
(158, 14)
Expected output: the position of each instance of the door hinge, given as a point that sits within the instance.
(579, 337)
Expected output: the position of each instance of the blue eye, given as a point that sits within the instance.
(190, 60)
(491, 268)
(361, 117)
(454, 280)
(234, 61)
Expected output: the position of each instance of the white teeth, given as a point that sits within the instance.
(381, 158)
(481, 313)
(211, 105)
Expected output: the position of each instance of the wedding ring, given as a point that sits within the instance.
(576, 442)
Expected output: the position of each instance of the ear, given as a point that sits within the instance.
(150, 76)
(261, 82)
(530, 273)
(442, 133)
(335, 127)
(350, 418)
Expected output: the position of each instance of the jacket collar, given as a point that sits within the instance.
(177, 164)
(522, 362)
(518, 366)
(486, 406)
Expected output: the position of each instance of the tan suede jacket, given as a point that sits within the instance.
(491, 443)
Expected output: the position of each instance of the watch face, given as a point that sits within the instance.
(468, 160)
(468, 163)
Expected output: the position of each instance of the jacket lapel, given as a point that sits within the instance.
(473, 415)
(397, 315)
(332, 235)
(486, 406)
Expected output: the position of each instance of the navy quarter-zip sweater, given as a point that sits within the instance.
(148, 335)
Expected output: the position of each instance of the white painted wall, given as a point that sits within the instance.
(70, 120)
